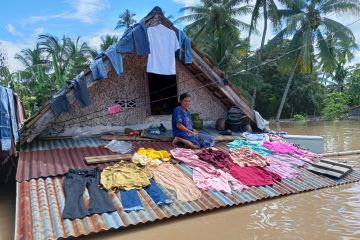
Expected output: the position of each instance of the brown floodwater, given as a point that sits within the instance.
(331, 213)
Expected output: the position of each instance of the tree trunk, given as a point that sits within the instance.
(287, 89)
(260, 50)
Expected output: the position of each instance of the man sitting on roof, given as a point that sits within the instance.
(182, 128)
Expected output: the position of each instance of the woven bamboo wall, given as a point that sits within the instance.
(132, 86)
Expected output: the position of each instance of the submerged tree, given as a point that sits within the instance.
(305, 21)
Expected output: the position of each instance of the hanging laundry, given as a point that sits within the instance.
(20, 112)
(255, 138)
(131, 202)
(12, 111)
(114, 109)
(74, 185)
(185, 53)
(261, 123)
(254, 176)
(5, 124)
(245, 157)
(115, 59)
(184, 187)
(163, 44)
(59, 103)
(216, 157)
(125, 176)
(238, 143)
(98, 70)
(286, 169)
(119, 146)
(81, 90)
(137, 34)
(205, 175)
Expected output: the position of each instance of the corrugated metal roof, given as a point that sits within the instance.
(62, 155)
(40, 203)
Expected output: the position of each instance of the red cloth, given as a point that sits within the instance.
(254, 176)
(216, 157)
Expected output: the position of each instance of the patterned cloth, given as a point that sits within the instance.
(238, 143)
(245, 157)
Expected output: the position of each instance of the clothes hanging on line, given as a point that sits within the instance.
(115, 59)
(81, 90)
(75, 182)
(5, 123)
(135, 34)
(98, 70)
(185, 52)
(59, 103)
(163, 44)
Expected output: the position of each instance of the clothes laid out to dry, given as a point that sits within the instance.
(150, 156)
(131, 201)
(238, 143)
(172, 178)
(216, 157)
(245, 157)
(119, 146)
(256, 138)
(205, 175)
(254, 176)
(125, 176)
(287, 148)
(286, 168)
(76, 180)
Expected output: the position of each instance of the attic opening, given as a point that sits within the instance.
(163, 92)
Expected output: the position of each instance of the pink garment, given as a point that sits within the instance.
(205, 175)
(114, 109)
(254, 176)
(285, 166)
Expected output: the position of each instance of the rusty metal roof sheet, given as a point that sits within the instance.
(40, 203)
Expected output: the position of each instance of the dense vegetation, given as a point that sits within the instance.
(301, 72)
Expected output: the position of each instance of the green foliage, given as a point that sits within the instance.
(353, 86)
(336, 106)
(126, 19)
(299, 117)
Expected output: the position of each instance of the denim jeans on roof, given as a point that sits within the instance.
(81, 90)
(115, 59)
(131, 201)
(98, 70)
(59, 103)
(5, 126)
(137, 34)
(185, 53)
(74, 186)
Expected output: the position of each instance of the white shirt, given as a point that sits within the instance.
(163, 44)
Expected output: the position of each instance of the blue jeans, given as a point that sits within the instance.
(98, 70)
(59, 103)
(131, 201)
(81, 90)
(185, 53)
(203, 140)
(74, 185)
(5, 126)
(114, 58)
(137, 34)
(12, 110)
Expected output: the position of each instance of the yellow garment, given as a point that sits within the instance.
(150, 156)
(125, 176)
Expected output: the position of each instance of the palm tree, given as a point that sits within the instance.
(107, 41)
(307, 24)
(270, 11)
(214, 16)
(126, 19)
(78, 54)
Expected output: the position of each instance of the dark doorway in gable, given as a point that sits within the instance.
(163, 91)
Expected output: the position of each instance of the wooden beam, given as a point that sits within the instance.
(108, 158)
